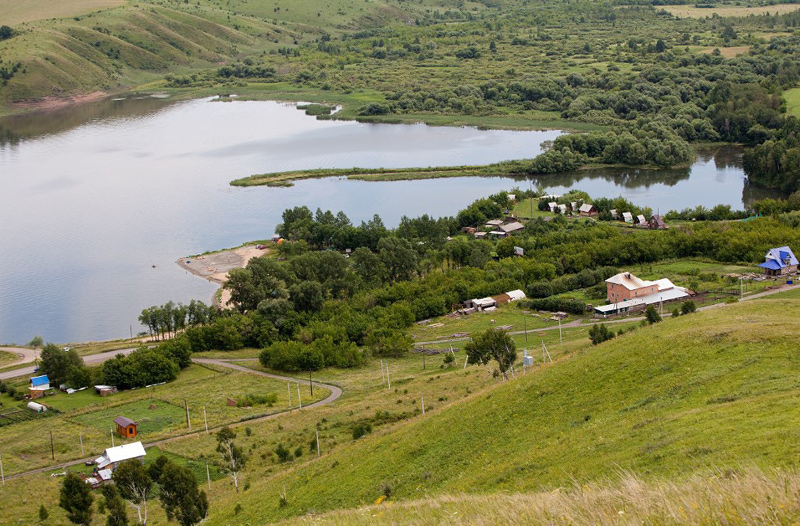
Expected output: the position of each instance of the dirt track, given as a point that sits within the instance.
(336, 392)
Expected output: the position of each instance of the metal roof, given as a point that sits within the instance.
(124, 421)
(120, 453)
(36, 381)
(512, 227)
(586, 207)
(780, 256)
(515, 294)
(673, 293)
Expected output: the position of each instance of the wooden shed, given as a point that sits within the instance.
(126, 427)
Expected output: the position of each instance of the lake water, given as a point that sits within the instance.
(95, 196)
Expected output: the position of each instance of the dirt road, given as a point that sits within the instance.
(335, 393)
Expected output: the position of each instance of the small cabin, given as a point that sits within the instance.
(126, 428)
(587, 210)
(779, 261)
(39, 386)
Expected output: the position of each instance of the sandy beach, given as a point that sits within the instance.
(215, 267)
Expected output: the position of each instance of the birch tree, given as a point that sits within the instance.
(135, 486)
(233, 456)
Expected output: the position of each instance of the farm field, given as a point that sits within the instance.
(87, 417)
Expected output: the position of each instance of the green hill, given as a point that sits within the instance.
(715, 390)
(111, 49)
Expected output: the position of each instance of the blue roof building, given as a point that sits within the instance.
(779, 261)
(42, 382)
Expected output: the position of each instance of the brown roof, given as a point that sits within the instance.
(124, 422)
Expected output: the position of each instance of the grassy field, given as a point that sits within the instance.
(683, 11)
(792, 98)
(653, 402)
(7, 358)
(445, 327)
(88, 417)
(18, 11)
(749, 496)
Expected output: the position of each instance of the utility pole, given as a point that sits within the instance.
(205, 419)
(299, 398)
(2, 473)
(310, 383)
(289, 389)
(112, 438)
(317, 433)
(423, 403)
(80, 437)
(388, 380)
(560, 337)
(188, 422)
(52, 446)
(208, 477)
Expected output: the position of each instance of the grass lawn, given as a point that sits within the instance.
(528, 208)
(792, 97)
(508, 314)
(150, 421)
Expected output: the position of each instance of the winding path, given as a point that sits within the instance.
(335, 393)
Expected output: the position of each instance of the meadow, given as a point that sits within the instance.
(87, 418)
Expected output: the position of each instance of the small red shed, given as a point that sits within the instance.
(126, 427)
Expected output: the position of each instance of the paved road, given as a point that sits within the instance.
(335, 393)
(92, 359)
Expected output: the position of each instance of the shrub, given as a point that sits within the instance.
(284, 455)
(361, 429)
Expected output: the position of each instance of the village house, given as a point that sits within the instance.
(113, 456)
(494, 223)
(614, 214)
(640, 220)
(626, 292)
(587, 210)
(627, 217)
(657, 223)
(553, 206)
(512, 227)
(126, 427)
(39, 386)
(779, 261)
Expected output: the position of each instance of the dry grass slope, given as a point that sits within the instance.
(750, 496)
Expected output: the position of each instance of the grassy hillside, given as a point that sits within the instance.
(13, 12)
(81, 47)
(712, 390)
(748, 497)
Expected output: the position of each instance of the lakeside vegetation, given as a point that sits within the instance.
(679, 417)
(636, 69)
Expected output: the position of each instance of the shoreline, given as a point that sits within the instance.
(215, 266)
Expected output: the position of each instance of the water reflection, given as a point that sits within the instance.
(17, 128)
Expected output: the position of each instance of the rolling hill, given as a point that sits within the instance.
(710, 391)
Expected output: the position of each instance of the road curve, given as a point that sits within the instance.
(335, 393)
(25, 354)
(92, 359)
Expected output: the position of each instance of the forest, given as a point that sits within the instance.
(337, 293)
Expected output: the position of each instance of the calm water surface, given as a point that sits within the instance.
(94, 196)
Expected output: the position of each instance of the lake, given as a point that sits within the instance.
(100, 200)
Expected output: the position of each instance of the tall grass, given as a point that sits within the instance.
(749, 496)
